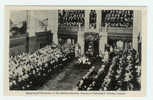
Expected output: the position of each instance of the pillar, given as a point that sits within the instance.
(31, 29)
(136, 28)
(98, 21)
(31, 22)
(87, 12)
(102, 42)
(81, 40)
(53, 24)
(103, 37)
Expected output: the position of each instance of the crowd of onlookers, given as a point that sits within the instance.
(26, 71)
(71, 17)
(92, 19)
(119, 73)
(117, 18)
(76, 17)
(110, 18)
(92, 79)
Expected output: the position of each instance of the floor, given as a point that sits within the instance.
(66, 79)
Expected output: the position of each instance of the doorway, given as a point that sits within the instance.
(91, 44)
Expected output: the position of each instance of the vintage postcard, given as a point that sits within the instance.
(75, 50)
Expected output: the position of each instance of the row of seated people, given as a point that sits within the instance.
(117, 18)
(113, 18)
(124, 72)
(26, 71)
(71, 17)
(93, 79)
(120, 72)
(76, 17)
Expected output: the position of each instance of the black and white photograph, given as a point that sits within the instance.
(75, 49)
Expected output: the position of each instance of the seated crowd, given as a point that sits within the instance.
(121, 72)
(117, 18)
(92, 80)
(92, 19)
(71, 17)
(110, 18)
(26, 71)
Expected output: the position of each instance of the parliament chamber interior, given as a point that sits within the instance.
(73, 49)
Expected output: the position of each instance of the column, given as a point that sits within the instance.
(136, 28)
(103, 38)
(102, 42)
(87, 12)
(81, 40)
(98, 21)
(53, 24)
(31, 29)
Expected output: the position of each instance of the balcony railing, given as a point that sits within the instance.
(74, 29)
(119, 29)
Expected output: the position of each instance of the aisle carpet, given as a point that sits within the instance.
(66, 79)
